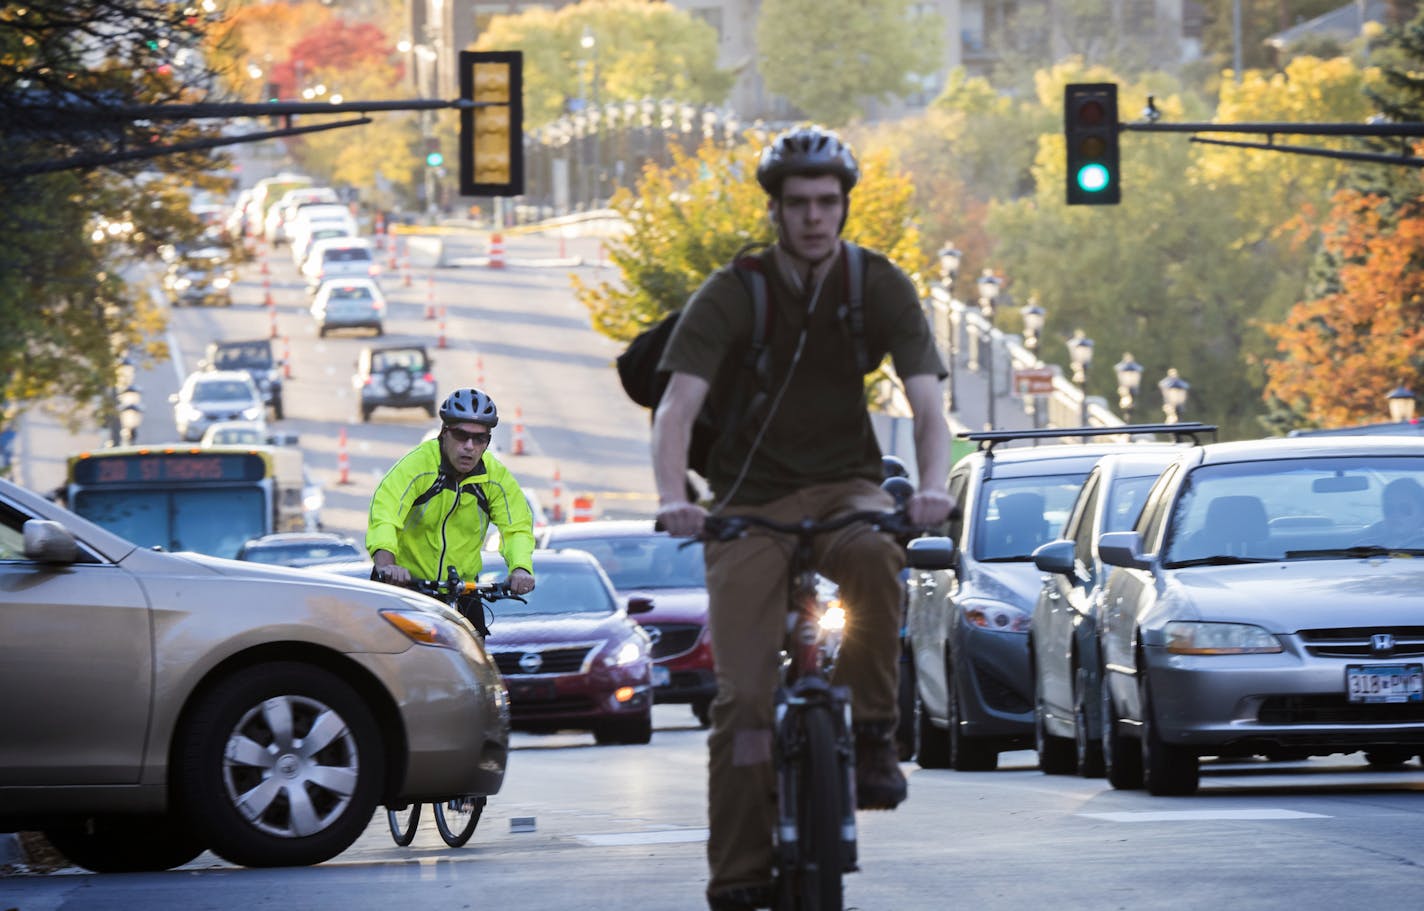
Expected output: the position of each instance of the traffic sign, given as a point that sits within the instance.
(1033, 380)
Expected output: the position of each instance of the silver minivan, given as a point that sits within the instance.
(339, 257)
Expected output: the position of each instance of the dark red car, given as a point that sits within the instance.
(647, 563)
(571, 657)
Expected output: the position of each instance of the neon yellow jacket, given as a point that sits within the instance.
(419, 514)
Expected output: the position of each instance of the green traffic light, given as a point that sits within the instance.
(434, 160)
(1093, 178)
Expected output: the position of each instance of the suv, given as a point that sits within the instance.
(256, 359)
(967, 627)
(394, 376)
(200, 276)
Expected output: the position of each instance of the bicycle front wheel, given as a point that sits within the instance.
(403, 823)
(820, 814)
(457, 817)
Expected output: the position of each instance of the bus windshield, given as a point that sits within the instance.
(214, 521)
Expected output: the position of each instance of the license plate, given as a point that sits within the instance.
(531, 690)
(1385, 682)
(661, 675)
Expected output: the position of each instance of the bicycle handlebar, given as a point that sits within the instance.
(455, 587)
(726, 528)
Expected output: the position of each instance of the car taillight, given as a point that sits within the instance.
(429, 377)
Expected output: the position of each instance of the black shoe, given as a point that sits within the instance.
(879, 783)
(741, 898)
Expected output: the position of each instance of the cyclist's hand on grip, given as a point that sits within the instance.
(681, 519)
(931, 508)
(521, 582)
(393, 573)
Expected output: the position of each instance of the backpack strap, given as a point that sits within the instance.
(855, 305)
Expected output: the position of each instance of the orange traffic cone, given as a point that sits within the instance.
(479, 373)
(430, 297)
(267, 300)
(286, 357)
(343, 461)
(583, 509)
(272, 321)
(517, 447)
(496, 251)
(440, 339)
(557, 514)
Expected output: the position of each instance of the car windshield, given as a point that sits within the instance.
(1018, 514)
(242, 356)
(1300, 508)
(216, 522)
(385, 360)
(653, 561)
(220, 391)
(346, 255)
(561, 588)
(235, 436)
(351, 293)
(303, 554)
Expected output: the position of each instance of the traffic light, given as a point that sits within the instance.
(433, 157)
(273, 95)
(1090, 129)
(492, 129)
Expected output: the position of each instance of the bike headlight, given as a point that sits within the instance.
(1189, 637)
(996, 616)
(834, 619)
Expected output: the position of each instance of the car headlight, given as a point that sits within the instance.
(996, 616)
(183, 284)
(221, 283)
(627, 653)
(313, 501)
(253, 413)
(188, 413)
(1190, 637)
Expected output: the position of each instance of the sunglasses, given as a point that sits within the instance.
(464, 436)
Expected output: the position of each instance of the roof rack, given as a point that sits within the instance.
(1182, 430)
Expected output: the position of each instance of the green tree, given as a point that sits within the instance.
(689, 219)
(830, 57)
(637, 50)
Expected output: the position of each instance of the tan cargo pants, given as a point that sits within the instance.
(746, 583)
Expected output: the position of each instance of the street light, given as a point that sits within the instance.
(1174, 395)
(1129, 380)
(1080, 352)
(989, 287)
(949, 257)
(1033, 319)
(1401, 403)
(589, 42)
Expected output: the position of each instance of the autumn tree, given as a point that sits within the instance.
(830, 57)
(638, 50)
(1342, 352)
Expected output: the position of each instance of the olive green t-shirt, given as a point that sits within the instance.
(820, 431)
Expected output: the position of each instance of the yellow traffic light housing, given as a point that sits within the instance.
(492, 130)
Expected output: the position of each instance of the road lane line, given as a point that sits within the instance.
(1200, 815)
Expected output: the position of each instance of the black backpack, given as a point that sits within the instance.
(644, 382)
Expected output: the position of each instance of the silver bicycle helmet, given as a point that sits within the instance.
(806, 152)
(469, 405)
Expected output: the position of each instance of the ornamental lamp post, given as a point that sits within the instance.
(989, 287)
(1034, 317)
(1401, 404)
(1080, 352)
(1174, 395)
(1129, 380)
(949, 257)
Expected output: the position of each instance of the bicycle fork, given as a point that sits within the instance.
(813, 695)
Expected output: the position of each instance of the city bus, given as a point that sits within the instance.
(208, 499)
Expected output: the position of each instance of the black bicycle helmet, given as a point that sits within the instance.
(469, 405)
(893, 467)
(806, 152)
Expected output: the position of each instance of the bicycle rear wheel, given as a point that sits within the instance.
(820, 813)
(456, 818)
(403, 823)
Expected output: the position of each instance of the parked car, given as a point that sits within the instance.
(349, 303)
(643, 563)
(338, 257)
(299, 548)
(197, 703)
(256, 357)
(210, 396)
(394, 376)
(572, 657)
(1063, 632)
(968, 626)
(1266, 602)
(200, 276)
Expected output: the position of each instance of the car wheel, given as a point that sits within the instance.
(365, 414)
(1388, 756)
(321, 331)
(127, 844)
(1087, 749)
(430, 409)
(932, 744)
(702, 711)
(282, 765)
(966, 754)
(1167, 770)
(1122, 759)
(1056, 755)
(625, 730)
(905, 730)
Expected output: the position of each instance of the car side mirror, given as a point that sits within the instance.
(639, 604)
(1056, 557)
(930, 553)
(173, 398)
(47, 541)
(1122, 548)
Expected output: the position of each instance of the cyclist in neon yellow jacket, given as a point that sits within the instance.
(434, 507)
